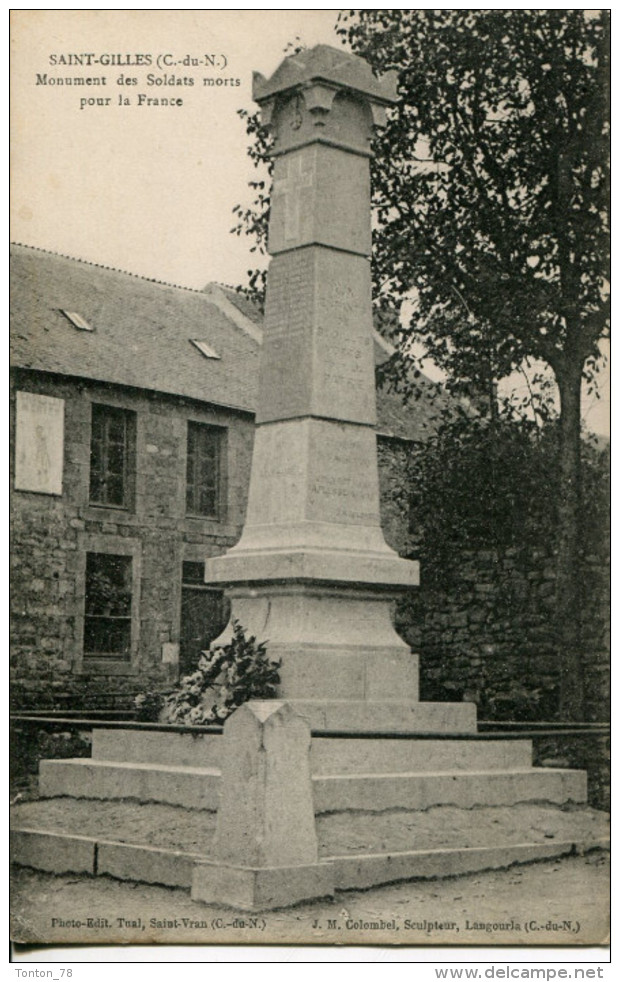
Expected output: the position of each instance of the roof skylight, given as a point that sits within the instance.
(77, 320)
(205, 349)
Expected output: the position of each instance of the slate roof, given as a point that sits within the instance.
(243, 303)
(142, 331)
(142, 337)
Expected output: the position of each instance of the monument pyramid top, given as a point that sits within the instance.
(326, 64)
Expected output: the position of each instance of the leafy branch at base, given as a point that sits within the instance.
(225, 678)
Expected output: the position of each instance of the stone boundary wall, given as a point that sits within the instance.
(485, 634)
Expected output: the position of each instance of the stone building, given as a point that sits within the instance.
(132, 408)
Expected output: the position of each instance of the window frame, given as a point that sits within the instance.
(108, 412)
(218, 435)
(116, 546)
(196, 586)
(127, 618)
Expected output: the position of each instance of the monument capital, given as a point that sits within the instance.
(303, 100)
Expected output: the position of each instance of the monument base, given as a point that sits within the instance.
(381, 716)
(298, 819)
(378, 568)
(261, 888)
(333, 644)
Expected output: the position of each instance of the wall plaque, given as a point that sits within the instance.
(39, 442)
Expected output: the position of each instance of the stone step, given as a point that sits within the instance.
(347, 756)
(448, 827)
(362, 872)
(418, 791)
(407, 716)
(192, 787)
(197, 787)
(58, 852)
(162, 826)
(163, 844)
(157, 747)
(327, 756)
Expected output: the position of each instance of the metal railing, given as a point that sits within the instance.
(488, 729)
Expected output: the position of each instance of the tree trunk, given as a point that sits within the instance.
(568, 571)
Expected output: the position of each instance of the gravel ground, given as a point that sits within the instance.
(340, 833)
(561, 902)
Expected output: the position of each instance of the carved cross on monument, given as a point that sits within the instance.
(312, 574)
(289, 188)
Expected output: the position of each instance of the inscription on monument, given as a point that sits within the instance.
(289, 299)
(343, 202)
(318, 349)
(280, 464)
(299, 176)
(344, 373)
(343, 477)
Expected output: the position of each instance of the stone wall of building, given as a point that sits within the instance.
(51, 535)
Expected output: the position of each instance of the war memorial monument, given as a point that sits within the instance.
(348, 741)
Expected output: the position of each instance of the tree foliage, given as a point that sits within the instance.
(490, 194)
(254, 220)
(482, 485)
(491, 182)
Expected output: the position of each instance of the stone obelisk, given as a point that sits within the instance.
(312, 574)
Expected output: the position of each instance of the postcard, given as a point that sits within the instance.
(287, 588)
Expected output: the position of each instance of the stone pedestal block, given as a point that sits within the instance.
(323, 483)
(265, 851)
(261, 889)
(339, 645)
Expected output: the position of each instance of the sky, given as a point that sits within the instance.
(143, 187)
(149, 189)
